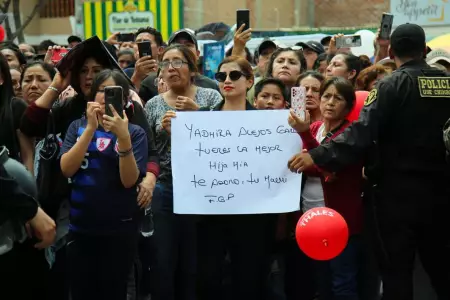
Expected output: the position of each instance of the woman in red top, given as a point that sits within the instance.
(340, 191)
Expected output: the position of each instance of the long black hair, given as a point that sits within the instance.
(118, 78)
(7, 133)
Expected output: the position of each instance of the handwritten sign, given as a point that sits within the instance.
(431, 12)
(234, 162)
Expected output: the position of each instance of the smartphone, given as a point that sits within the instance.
(243, 17)
(348, 41)
(298, 101)
(386, 26)
(58, 54)
(145, 48)
(125, 37)
(114, 96)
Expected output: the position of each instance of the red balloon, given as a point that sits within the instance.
(322, 233)
(361, 96)
(2, 33)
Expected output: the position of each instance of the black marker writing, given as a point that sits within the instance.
(217, 182)
(255, 133)
(282, 130)
(218, 166)
(238, 165)
(252, 180)
(214, 150)
(221, 199)
(267, 149)
(241, 149)
(274, 180)
(200, 182)
(203, 133)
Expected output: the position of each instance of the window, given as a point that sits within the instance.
(58, 9)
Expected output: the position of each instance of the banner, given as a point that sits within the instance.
(102, 18)
(234, 162)
(421, 12)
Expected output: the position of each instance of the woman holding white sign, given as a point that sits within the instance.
(337, 279)
(174, 235)
(247, 238)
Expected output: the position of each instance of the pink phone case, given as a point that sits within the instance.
(298, 101)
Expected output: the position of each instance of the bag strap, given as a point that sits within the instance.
(50, 128)
(333, 132)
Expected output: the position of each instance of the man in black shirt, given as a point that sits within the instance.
(402, 124)
(149, 87)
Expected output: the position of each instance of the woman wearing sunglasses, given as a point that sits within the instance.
(174, 235)
(244, 237)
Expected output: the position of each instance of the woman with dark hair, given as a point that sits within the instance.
(35, 79)
(11, 110)
(345, 65)
(106, 157)
(90, 59)
(13, 55)
(341, 191)
(311, 81)
(321, 63)
(247, 238)
(285, 64)
(175, 235)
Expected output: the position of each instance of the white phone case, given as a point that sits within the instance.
(298, 101)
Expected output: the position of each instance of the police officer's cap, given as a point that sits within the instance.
(408, 36)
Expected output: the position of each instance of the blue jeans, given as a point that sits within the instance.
(337, 279)
(175, 241)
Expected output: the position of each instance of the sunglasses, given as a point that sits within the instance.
(234, 75)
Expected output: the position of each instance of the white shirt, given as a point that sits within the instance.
(312, 194)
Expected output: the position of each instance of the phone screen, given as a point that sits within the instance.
(349, 41)
(145, 48)
(298, 101)
(125, 37)
(243, 17)
(58, 54)
(114, 96)
(386, 26)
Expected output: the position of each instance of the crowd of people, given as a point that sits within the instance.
(104, 227)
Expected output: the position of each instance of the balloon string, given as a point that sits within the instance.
(325, 242)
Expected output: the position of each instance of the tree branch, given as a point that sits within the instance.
(4, 7)
(37, 8)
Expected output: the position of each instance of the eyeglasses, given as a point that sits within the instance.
(234, 75)
(176, 64)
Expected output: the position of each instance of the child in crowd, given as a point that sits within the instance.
(270, 93)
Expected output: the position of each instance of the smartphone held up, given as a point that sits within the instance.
(114, 96)
(348, 41)
(298, 101)
(386, 26)
(243, 17)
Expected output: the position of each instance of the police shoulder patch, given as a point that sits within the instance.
(371, 97)
(434, 87)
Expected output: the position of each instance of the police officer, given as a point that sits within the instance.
(404, 117)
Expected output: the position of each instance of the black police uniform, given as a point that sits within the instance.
(404, 116)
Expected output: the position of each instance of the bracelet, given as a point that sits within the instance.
(54, 89)
(125, 153)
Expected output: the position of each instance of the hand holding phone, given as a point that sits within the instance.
(348, 41)
(58, 54)
(125, 37)
(298, 101)
(386, 26)
(243, 17)
(145, 48)
(114, 96)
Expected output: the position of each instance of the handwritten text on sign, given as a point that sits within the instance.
(234, 162)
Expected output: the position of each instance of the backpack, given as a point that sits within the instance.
(53, 187)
